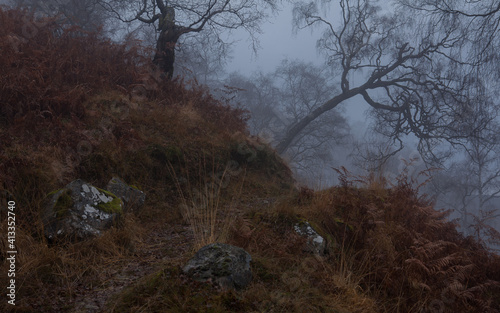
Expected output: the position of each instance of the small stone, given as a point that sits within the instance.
(315, 242)
(85, 188)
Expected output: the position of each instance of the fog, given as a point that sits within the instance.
(278, 41)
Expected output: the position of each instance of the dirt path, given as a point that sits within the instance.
(161, 244)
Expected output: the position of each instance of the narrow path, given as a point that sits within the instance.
(163, 243)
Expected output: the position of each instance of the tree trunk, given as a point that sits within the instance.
(165, 51)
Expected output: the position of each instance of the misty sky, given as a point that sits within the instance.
(277, 43)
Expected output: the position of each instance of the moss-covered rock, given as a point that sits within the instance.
(80, 211)
(316, 243)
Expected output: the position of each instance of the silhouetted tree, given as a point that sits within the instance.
(479, 26)
(405, 78)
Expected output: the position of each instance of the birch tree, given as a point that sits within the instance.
(395, 63)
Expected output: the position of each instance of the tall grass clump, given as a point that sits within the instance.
(203, 203)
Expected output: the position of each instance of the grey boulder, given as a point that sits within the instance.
(80, 211)
(225, 265)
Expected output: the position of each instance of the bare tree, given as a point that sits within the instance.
(259, 95)
(471, 183)
(405, 79)
(374, 153)
(176, 18)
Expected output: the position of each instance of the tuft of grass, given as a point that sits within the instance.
(203, 205)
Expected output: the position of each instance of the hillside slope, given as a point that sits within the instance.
(75, 106)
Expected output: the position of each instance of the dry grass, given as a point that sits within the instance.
(387, 250)
(401, 251)
(48, 276)
(203, 206)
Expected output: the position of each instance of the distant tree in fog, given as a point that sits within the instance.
(261, 97)
(472, 179)
(279, 99)
(373, 153)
